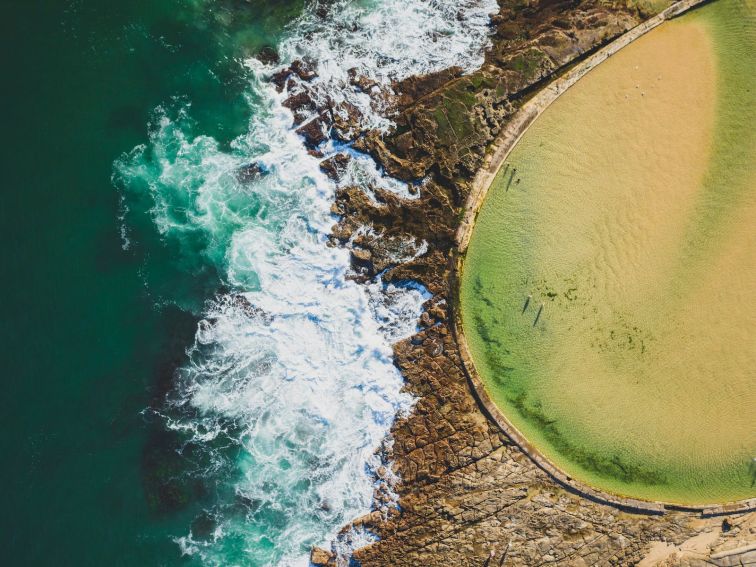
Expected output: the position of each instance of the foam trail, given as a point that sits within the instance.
(293, 369)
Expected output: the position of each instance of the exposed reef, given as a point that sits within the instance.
(468, 495)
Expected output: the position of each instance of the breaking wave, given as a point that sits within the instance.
(289, 385)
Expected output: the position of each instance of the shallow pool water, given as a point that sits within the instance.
(607, 292)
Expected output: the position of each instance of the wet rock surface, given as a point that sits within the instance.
(468, 495)
(320, 557)
(335, 166)
(250, 172)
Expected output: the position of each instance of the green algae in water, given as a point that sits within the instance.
(629, 224)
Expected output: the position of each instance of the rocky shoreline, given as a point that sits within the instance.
(468, 494)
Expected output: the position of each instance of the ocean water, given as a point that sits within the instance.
(191, 377)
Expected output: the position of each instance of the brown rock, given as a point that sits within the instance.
(361, 258)
(335, 166)
(365, 84)
(250, 172)
(301, 104)
(314, 131)
(303, 70)
(279, 79)
(346, 121)
(415, 87)
(321, 557)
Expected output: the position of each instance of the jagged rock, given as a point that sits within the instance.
(320, 557)
(363, 83)
(415, 87)
(301, 104)
(303, 70)
(279, 78)
(407, 170)
(335, 166)
(314, 131)
(249, 309)
(284, 78)
(362, 258)
(346, 121)
(250, 172)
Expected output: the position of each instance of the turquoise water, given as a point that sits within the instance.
(86, 346)
(190, 376)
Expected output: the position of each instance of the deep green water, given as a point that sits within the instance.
(86, 346)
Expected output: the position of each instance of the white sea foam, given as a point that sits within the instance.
(298, 373)
(388, 40)
(363, 171)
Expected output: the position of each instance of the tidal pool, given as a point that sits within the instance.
(608, 293)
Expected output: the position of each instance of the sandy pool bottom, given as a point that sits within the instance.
(608, 293)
